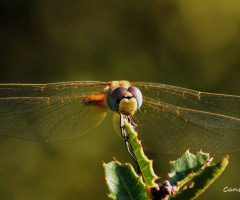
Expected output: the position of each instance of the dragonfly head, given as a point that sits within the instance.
(125, 100)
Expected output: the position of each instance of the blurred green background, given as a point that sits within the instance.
(185, 43)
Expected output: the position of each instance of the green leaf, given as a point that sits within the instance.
(144, 163)
(123, 182)
(200, 179)
(184, 168)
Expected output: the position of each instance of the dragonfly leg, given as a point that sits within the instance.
(133, 121)
(126, 140)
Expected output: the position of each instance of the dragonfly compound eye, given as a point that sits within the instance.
(116, 96)
(136, 93)
(126, 101)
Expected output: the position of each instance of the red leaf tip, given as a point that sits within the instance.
(191, 173)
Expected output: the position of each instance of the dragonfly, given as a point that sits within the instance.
(168, 119)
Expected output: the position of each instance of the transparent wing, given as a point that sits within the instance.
(173, 119)
(49, 112)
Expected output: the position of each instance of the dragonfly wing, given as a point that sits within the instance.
(173, 119)
(222, 104)
(50, 112)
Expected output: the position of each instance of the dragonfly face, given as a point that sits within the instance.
(169, 119)
(125, 100)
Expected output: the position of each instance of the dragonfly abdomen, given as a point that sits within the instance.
(97, 100)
